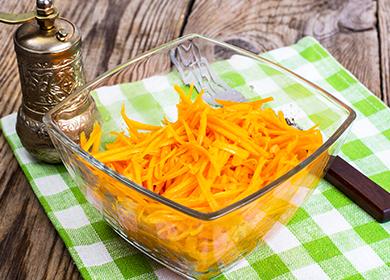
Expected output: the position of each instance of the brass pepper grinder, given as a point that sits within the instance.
(50, 68)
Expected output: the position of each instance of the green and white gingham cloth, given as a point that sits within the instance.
(328, 238)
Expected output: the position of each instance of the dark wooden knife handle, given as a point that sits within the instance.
(360, 189)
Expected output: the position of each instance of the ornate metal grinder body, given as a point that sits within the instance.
(50, 68)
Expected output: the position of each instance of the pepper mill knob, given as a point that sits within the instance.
(44, 4)
(46, 14)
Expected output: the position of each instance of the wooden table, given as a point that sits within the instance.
(356, 32)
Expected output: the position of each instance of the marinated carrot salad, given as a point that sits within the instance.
(210, 157)
(207, 159)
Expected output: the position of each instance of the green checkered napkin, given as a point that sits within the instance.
(329, 236)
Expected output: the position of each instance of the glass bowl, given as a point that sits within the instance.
(192, 243)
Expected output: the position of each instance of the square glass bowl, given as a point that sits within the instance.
(192, 243)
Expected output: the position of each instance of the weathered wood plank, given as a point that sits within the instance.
(116, 30)
(346, 27)
(113, 31)
(9, 78)
(384, 30)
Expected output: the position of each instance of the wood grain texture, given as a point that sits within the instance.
(384, 37)
(354, 31)
(342, 26)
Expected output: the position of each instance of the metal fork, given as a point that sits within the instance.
(194, 68)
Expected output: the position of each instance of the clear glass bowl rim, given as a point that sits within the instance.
(53, 128)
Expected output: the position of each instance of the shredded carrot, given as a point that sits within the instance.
(206, 160)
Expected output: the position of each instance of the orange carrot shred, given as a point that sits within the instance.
(206, 160)
(239, 143)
